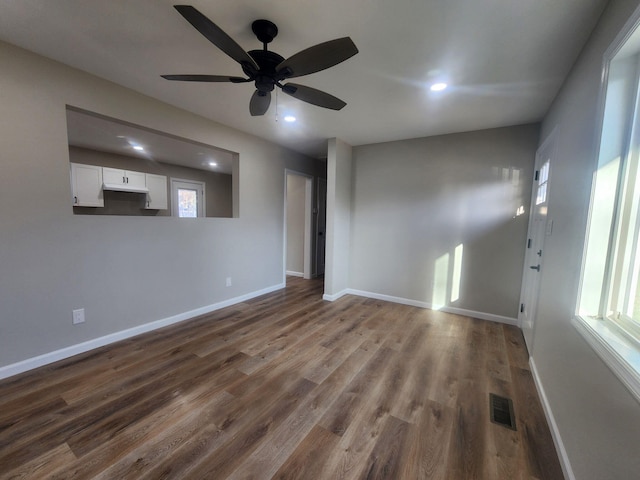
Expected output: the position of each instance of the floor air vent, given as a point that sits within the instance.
(501, 409)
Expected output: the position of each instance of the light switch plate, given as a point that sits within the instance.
(78, 316)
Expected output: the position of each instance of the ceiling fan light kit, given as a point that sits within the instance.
(267, 69)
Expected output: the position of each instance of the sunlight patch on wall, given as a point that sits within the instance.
(457, 273)
(440, 281)
(511, 189)
(447, 278)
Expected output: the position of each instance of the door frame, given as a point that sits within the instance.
(546, 151)
(320, 256)
(308, 224)
(174, 184)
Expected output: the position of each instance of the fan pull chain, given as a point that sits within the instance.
(276, 105)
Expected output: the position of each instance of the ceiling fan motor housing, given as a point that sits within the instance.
(266, 77)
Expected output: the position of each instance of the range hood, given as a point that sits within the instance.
(124, 187)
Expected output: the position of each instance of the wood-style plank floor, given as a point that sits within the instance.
(284, 386)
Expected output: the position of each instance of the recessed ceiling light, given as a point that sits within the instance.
(213, 164)
(289, 118)
(438, 87)
(138, 147)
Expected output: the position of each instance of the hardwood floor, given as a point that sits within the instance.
(284, 386)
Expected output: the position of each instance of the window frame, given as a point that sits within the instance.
(615, 338)
(625, 227)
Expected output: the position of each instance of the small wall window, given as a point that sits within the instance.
(543, 180)
(187, 198)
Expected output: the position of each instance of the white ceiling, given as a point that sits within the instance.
(504, 59)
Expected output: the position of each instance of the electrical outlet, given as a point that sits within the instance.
(228, 281)
(78, 316)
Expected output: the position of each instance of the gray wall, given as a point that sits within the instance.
(295, 223)
(415, 201)
(339, 192)
(125, 271)
(597, 418)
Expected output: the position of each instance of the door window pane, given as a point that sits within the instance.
(187, 203)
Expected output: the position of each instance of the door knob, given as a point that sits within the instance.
(535, 267)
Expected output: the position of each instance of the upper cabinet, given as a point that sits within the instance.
(86, 185)
(123, 180)
(157, 194)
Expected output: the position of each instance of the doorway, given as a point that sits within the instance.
(298, 224)
(321, 225)
(539, 227)
(187, 198)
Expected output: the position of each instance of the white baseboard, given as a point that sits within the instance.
(47, 358)
(481, 315)
(415, 303)
(335, 296)
(555, 433)
(388, 298)
(294, 274)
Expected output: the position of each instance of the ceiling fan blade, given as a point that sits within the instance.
(259, 103)
(313, 96)
(318, 57)
(205, 78)
(216, 35)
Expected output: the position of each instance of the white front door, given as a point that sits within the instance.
(539, 227)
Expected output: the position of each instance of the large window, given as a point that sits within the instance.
(609, 302)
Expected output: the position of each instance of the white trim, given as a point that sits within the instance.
(308, 232)
(481, 315)
(335, 296)
(294, 274)
(555, 432)
(415, 303)
(550, 142)
(47, 358)
(614, 349)
(318, 186)
(623, 36)
(625, 33)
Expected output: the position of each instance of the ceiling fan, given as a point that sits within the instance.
(268, 69)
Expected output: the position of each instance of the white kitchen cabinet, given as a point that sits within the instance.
(157, 195)
(86, 185)
(123, 180)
